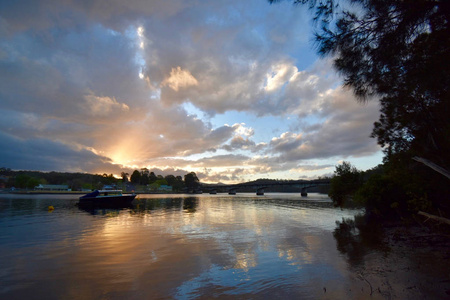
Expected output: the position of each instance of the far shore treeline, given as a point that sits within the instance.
(142, 180)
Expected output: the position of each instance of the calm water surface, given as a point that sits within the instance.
(172, 247)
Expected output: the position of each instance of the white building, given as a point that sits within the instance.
(52, 187)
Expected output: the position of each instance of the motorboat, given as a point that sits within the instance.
(107, 197)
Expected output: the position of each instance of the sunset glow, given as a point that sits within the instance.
(230, 90)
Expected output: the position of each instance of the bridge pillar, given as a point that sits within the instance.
(304, 192)
(260, 192)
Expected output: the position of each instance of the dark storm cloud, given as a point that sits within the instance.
(46, 155)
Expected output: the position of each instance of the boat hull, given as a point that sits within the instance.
(108, 200)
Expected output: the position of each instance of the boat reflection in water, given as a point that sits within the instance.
(104, 209)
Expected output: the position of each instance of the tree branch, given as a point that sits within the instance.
(433, 166)
(439, 219)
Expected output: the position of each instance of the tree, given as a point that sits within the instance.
(397, 51)
(76, 184)
(170, 179)
(178, 185)
(160, 182)
(124, 176)
(144, 176)
(21, 180)
(346, 181)
(135, 177)
(144, 171)
(152, 177)
(32, 183)
(191, 181)
(87, 186)
(153, 186)
(144, 179)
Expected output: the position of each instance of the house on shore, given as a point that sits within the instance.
(52, 187)
(164, 188)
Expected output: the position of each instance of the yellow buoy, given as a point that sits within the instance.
(51, 208)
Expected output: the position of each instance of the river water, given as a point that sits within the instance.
(175, 247)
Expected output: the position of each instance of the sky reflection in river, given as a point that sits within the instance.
(172, 247)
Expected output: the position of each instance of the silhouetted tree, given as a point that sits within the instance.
(398, 51)
(346, 181)
(144, 179)
(191, 181)
(144, 176)
(152, 177)
(170, 179)
(124, 177)
(135, 177)
(178, 184)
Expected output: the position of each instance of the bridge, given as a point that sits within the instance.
(260, 187)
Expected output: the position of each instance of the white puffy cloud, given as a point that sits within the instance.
(103, 106)
(179, 79)
(344, 131)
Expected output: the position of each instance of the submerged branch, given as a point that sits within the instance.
(439, 219)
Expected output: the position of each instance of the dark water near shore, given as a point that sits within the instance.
(175, 247)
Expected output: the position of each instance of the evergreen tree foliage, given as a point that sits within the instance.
(171, 179)
(152, 177)
(144, 179)
(191, 180)
(346, 181)
(396, 51)
(124, 176)
(135, 177)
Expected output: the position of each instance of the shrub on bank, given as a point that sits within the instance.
(387, 192)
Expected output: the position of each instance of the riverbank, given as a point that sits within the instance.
(33, 192)
(414, 263)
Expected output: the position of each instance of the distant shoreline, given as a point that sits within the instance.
(44, 192)
(73, 192)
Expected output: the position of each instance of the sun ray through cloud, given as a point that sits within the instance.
(230, 90)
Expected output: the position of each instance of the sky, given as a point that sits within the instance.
(231, 90)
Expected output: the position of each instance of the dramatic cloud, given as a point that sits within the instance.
(344, 131)
(179, 79)
(47, 155)
(229, 89)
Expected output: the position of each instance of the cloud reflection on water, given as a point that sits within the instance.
(185, 248)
